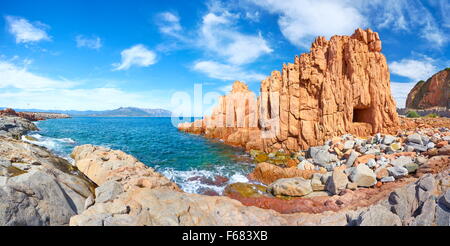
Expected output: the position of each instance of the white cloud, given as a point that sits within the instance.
(94, 43)
(169, 24)
(444, 6)
(26, 32)
(405, 15)
(252, 16)
(14, 76)
(20, 88)
(226, 72)
(400, 92)
(137, 55)
(414, 69)
(82, 99)
(301, 21)
(220, 37)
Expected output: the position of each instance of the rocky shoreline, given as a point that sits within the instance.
(37, 188)
(346, 172)
(32, 116)
(109, 187)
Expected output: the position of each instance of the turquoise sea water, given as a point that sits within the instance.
(156, 142)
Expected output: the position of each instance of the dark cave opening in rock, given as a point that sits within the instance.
(362, 115)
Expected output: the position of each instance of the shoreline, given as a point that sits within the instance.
(133, 186)
(193, 180)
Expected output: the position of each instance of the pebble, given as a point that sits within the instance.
(415, 138)
(387, 179)
(409, 149)
(420, 160)
(411, 167)
(398, 171)
(349, 144)
(305, 165)
(351, 159)
(388, 139)
(402, 161)
(363, 176)
(371, 163)
(418, 147)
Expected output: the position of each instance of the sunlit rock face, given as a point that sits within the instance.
(432, 94)
(341, 86)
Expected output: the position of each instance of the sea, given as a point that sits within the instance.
(189, 160)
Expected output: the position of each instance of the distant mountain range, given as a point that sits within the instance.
(120, 112)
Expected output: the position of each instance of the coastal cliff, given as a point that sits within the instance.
(32, 116)
(37, 188)
(341, 86)
(432, 94)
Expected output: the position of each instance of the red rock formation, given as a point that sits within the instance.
(341, 86)
(435, 93)
(267, 173)
(12, 112)
(32, 116)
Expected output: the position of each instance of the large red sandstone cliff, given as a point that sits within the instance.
(341, 86)
(432, 94)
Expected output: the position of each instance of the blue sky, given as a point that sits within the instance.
(97, 55)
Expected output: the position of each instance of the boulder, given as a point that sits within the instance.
(108, 191)
(15, 127)
(102, 164)
(398, 171)
(337, 182)
(268, 173)
(394, 147)
(411, 167)
(352, 186)
(291, 187)
(363, 176)
(349, 144)
(417, 147)
(305, 165)
(48, 194)
(415, 138)
(388, 139)
(352, 158)
(388, 179)
(245, 190)
(316, 182)
(427, 214)
(321, 156)
(381, 173)
(445, 199)
(402, 161)
(378, 216)
(444, 150)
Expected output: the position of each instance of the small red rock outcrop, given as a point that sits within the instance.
(341, 86)
(432, 94)
(32, 116)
